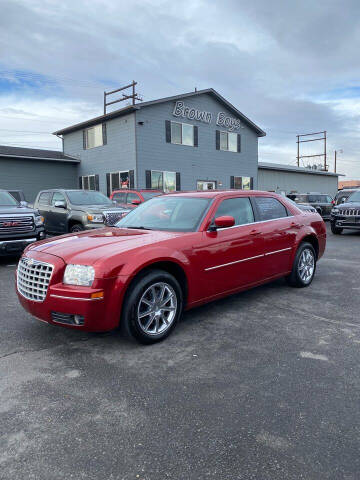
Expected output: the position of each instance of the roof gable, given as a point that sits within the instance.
(139, 106)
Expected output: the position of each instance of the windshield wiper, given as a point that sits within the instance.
(139, 228)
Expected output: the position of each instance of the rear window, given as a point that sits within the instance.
(270, 208)
(319, 199)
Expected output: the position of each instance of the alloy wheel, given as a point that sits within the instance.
(306, 265)
(157, 308)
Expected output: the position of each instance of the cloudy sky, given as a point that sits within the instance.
(291, 66)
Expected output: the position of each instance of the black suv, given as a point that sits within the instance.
(343, 195)
(19, 225)
(346, 215)
(320, 201)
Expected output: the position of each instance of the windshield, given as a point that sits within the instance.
(86, 197)
(355, 197)
(148, 195)
(179, 214)
(7, 199)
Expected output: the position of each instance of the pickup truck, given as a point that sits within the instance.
(19, 225)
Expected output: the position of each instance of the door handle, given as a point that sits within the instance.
(254, 232)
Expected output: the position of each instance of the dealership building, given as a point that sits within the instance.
(194, 141)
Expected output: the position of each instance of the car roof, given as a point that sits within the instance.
(127, 190)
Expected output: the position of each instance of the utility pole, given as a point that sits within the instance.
(335, 158)
(335, 161)
(134, 96)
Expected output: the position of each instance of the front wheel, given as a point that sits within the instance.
(304, 266)
(153, 306)
(77, 227)
(335, 230)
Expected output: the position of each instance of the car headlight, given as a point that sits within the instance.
(79, 275)
(39, 220)
(96, 218)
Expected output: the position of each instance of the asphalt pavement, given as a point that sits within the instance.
(262, 385)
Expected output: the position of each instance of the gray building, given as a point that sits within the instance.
(31, 170)
(197, 140)
(287, 179)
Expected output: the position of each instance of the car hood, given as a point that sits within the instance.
(89, 247)
(348, 205)
(8, 210)
(98, 208)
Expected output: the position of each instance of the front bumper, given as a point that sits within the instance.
(15, 246)
(342, 221)
(64, 304)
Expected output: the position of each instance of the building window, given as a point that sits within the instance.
(119, 180)
(229, 141)
(182, 133)
(165, 181)
(88, 182)
(241, 183)
(206, 185)
(94, 136)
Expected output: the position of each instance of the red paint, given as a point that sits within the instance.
(117, 255)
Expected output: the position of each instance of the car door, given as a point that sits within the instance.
(232, 258)
(57, 218)
(279, 228)
(43, 205)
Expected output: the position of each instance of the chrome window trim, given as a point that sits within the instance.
(255, 223)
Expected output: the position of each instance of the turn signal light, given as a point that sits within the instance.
(97, 295)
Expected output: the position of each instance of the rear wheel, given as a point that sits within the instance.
(335, 230)
(304, 266)
(152, 307)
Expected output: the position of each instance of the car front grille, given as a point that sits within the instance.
(33, 278)
(14, 224)
(350, 212)
(111, 218)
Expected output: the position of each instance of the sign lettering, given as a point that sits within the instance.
(222, 120)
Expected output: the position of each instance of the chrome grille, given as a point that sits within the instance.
(16, 224)
(33, 278)
(350, 212)
(111, 218)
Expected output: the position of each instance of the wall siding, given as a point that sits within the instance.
(195, 163)
(119, 154)
(277, 180)
(31, 176)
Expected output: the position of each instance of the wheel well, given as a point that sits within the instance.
(73, 222)
(313, 241)
(172, 268)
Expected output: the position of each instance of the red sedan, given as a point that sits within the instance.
(172, 253)
(132, 198)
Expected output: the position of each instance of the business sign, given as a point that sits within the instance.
(222, 119)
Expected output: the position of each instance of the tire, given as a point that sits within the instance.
(304, 262)
(335, 230)
(77, 227)
(159, 323)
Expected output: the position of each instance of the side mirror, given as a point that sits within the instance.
(23, 203)
(343, 200)
(136, 202)
(114, 202)
(225, 221)
(60, 205)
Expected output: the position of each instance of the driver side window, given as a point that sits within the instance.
(57, 197)
(240, 208)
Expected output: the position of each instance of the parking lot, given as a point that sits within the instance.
(262, 385)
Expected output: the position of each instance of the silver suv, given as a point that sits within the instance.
(76, 210)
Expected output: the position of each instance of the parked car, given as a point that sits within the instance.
(76, 210)
(343, 195)
(130, 199)
(321, 202)
(304, 208)
(172, 253)
(19, 225)
(18, 195)
(346, 215)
